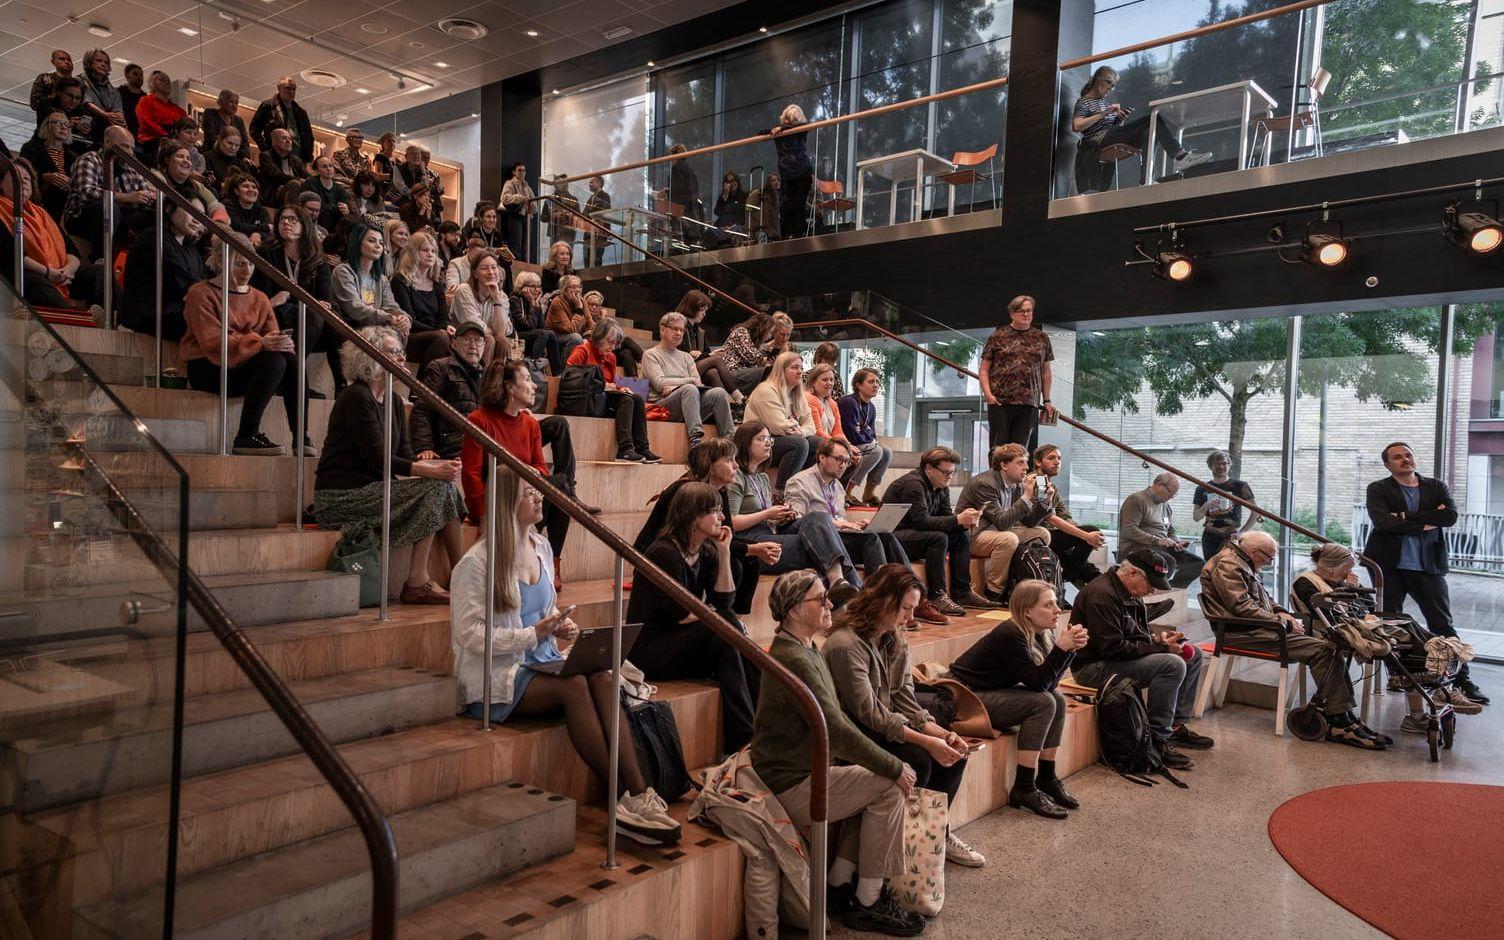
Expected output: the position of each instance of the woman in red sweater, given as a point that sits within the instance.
(261, 362)
(156, 113)
(625, 405)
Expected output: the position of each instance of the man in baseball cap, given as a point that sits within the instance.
(1120, 642)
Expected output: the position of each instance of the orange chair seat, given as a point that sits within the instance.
(1210, 646)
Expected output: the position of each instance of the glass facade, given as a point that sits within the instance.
(1345, 76)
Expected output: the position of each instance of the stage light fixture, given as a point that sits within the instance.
(1324, 251)
(1174, 266)
(1478, 232)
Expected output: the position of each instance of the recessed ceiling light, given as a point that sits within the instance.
(617, 32)
(187, 30)
(442, 65)
(650, 63)
(532, 33)
(556, 91)
(375, 29)
(339, 123)
(762, 29)
(474, 114)
(463, 28)
(103, 32)
(362, 91)
(415, 45)
(322, 78)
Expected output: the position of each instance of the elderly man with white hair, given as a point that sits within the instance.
(674, 382)
(1231, 588)
(1145, 521)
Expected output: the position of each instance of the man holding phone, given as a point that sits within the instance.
(1119, 642)
(1013, 505)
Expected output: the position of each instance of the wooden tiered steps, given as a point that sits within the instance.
(500, 832)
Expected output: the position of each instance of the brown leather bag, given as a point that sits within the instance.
(971, 718)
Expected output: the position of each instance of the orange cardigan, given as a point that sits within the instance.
(819, 413)
(586, 354)
(251, 317)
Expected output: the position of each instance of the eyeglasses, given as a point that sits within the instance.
(818, 596)
(944, 471)
(838, 459)
(763, 438)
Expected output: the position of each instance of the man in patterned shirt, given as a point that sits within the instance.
(83, 214)
(1016, 377)
(350, 162)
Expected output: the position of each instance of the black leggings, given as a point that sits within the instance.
(794, 213)
(629, 410)
(628, 355)
(257, 379)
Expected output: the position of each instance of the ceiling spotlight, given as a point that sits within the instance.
(1324, 251)
(187, 30)
(362, 91)
(762, 29)
(1174, 266)
(1476, 231)
(97, 29)
(532, 34)
(475, 114)
(339, 123)
(650, 63)
(442, 65)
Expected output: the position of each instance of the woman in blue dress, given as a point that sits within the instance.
(527, 626)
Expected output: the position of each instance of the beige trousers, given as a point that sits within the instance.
(999, 548)
(875, 841)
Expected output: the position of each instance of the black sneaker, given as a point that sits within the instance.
(1158, 609)
(1173, 759)
(1467, 687)
(257, 445)
(1183, 736)
(839, 899)
(883, 916)
(628, 455)
(946, 606)
(648, 456)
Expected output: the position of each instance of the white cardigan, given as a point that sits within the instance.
(467, 627)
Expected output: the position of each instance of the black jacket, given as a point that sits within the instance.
(182, 267)
(352, 453)
(929, 506)
(269, 117)
(1001, 660)
(274, 177)
(458, 384)
(314, 278)
(1117, 623)
(1392, 521)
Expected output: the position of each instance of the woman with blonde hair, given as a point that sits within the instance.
(526, 627)
(482, 299)
(396, 233)
(820, 393)
(779, 402)
(795, 170)
(870, 664)
(418, 288)
(1014, 670)
(559, 266)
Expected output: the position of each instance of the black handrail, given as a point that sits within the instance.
(1368, 563)
(805, 699)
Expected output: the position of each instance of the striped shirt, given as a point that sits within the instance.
(1088, 107)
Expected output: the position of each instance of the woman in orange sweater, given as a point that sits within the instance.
(261, 356)
(820, 392)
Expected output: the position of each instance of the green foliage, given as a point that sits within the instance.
(1306, 517)
(957, 350)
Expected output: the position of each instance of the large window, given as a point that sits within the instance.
(606, 126)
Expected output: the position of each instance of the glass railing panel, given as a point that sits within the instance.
(1336, 78)
(90, 635)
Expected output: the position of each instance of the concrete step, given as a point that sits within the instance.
(213, 471)
(321, 887)
(214, 508)
(75, 759)
(235, 814)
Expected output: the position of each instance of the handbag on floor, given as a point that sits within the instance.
(921, 887)
(659, 750)
(361, 556)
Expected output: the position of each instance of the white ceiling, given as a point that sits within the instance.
(247, 45)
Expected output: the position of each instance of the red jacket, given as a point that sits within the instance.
(586, 354)
(155, 118)
(519, 436)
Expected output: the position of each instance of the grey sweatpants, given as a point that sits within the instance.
(1040, 716)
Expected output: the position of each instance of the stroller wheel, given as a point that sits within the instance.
(1307, 722)
(1448, 729)
(1432, 740)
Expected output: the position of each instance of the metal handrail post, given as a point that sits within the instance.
(161, 200)
(107, 255)
(490, 640)
(19, 228)
(300, 433)
(224, 345)
(386, 495)
(613, 783)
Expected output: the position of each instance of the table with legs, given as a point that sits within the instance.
(917, 165)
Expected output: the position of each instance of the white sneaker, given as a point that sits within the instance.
(643, 818)
(1191, 158)
(737, 398)
(962, 854)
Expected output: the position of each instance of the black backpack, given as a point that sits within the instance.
(660, 753)
(582, 392)
(1034, 560)
(1126, 742)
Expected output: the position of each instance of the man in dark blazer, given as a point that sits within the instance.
(1409, 513)
(283, 110)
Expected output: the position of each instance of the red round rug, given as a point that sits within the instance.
(1415, 860)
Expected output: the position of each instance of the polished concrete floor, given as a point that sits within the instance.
(1197, 863)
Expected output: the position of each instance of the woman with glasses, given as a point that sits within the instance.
(1101, 125)
(50, 152)
(296, 253)
(867, 788)
(347, 486)
(694, 549)
(629, 354)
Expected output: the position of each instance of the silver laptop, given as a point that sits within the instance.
(888, 516)
(591, 652)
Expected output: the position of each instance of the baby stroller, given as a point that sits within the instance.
(1397, 641)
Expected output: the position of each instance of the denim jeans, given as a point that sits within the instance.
(1172, 683)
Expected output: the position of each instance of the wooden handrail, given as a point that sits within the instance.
(1251, 506)
(1193, 33)
(802, 128)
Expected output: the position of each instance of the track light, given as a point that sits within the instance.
(1324, 251)
(1174, 266)
(1476, 231)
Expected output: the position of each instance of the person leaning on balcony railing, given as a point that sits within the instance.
(347, 486)
(527, 625)
(1101, 125)
(866, 790)
(1410, 514)
(795, 170)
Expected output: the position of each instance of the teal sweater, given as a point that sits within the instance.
(780, 735)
